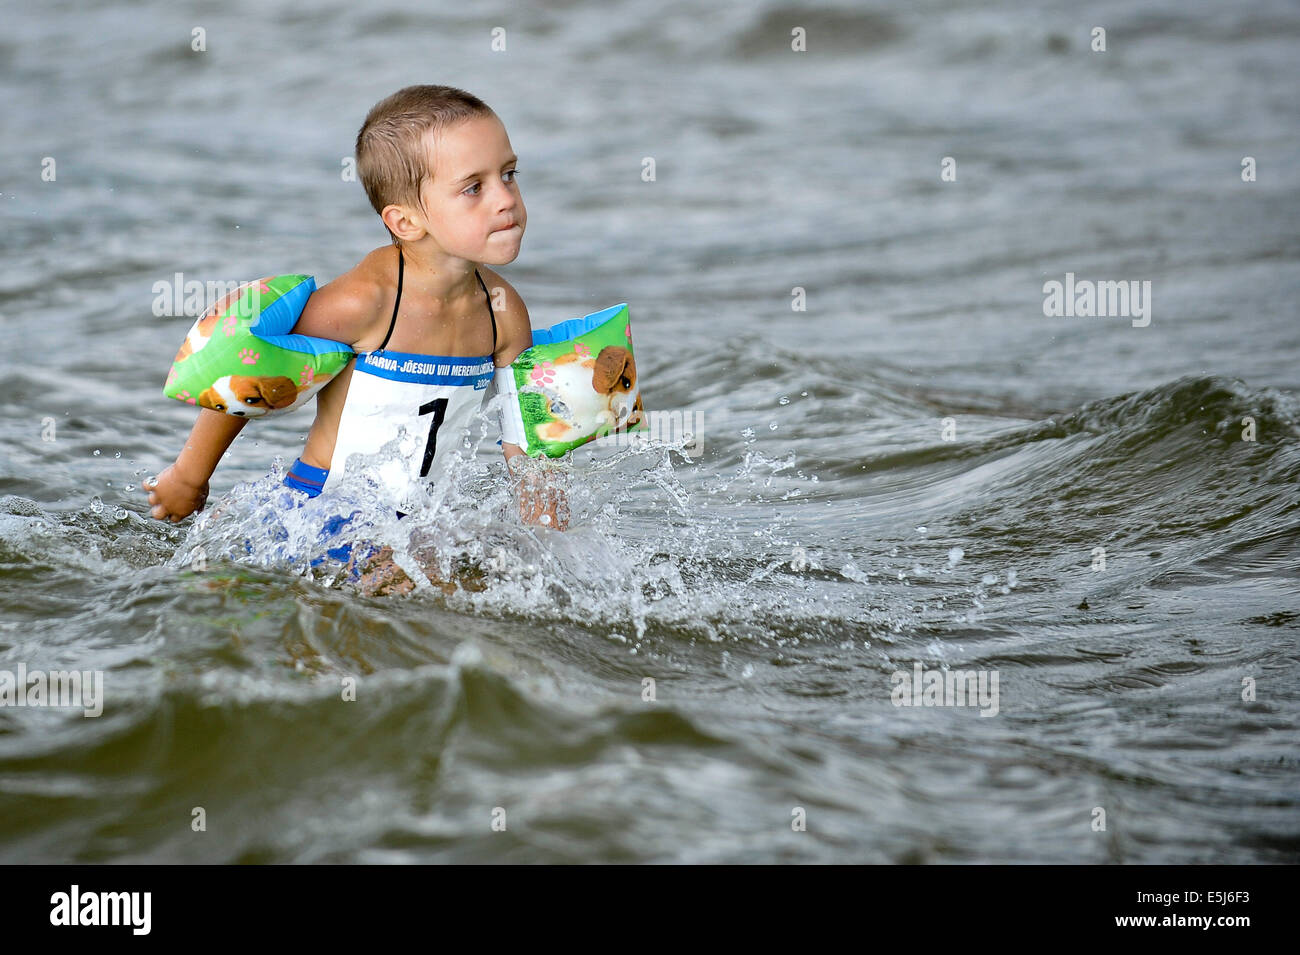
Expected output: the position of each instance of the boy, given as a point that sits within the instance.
(437, 166)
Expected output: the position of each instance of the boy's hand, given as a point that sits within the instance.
(542, 503)
(539, 490)
(172, 497)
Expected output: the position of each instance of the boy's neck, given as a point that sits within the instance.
(437, 274)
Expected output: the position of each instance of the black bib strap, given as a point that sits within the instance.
(397, 302)
(490, 312)
(392, 323)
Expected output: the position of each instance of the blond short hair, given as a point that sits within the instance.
(392, 160)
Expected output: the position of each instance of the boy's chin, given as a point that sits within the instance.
(497, 257)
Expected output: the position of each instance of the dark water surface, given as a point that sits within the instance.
(920, 468)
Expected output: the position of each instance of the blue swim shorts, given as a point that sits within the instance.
(310, 481)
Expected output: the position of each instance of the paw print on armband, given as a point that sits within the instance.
(582, 350)
(248, 357)
(543, 374)
(171, 376)
(627, 332)
(231, 325)
(186, 397)
(306, 376)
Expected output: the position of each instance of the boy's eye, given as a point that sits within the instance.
(473, 189)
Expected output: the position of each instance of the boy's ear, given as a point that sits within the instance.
(397, 219)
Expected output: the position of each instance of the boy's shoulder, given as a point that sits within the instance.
(348, 308)
(514, 329)
(354, 307)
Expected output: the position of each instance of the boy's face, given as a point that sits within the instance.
(473, 205)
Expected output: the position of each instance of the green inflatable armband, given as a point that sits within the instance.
(240, 358)
(576, 383)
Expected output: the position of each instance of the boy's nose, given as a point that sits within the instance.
(506, 198)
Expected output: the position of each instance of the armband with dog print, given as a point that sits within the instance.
(576, 383)
(239, 358)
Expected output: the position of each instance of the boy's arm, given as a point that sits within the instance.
(343, 310)
(209, 439)
(182, 488)
(537, 490)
